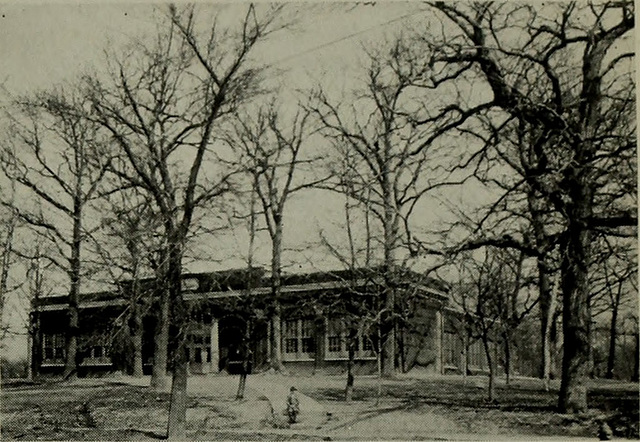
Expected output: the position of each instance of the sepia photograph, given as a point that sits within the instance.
(318, 220)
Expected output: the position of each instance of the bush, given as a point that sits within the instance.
(11, 369)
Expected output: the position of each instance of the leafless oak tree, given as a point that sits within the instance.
(57, 157)
(163, 106)
(565, 70)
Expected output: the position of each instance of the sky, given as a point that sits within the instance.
(47, 44)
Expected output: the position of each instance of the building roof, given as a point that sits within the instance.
(255, 281)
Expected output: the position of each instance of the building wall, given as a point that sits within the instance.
(310, 343)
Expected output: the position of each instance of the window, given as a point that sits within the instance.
(452, 347)
(477, 358)
(96, 349)
(299, 339)
(308, 339)
(199, 344)
(190, 284)
(53, 348)
(337, 341)
(335, 336)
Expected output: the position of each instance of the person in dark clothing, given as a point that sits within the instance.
(293, 405)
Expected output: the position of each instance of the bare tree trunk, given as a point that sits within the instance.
(159, 378)
(176, 428)
(348, 390)
(507, 356)
(246, 360)
(547, 307)
(465, 353)
(276, 282)
(73, 329)
(177, 424)
(576, 311)
(613, 334)
(7, 250)
(491, 390)
(136, 340)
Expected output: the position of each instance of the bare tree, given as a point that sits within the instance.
(574, 100)
(10, 222)
(162, 106)
(396, 160)
(491, 295)
(613, 288)
(56, 156)
(271, 152)
(354, 305)
(126, 251)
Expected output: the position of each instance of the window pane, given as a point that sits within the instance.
(291, 345)
(334, 343)
(334, 333)
(307, 328)
(308, 345)
(290, 329)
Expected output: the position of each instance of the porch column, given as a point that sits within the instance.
(215, 349)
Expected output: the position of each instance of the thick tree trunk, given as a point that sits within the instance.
(491, 389)
(613, 335)
(135, 322)
(547, 294)
(276, 282)
(176, 428)
(73, 328)
(159, 378)
(576, 311)
(136, 341)
(177, 424)
(547, 308)
(389, 295)
(390, 227)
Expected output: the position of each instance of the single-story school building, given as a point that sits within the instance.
(317, 311)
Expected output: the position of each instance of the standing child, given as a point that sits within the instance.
(293, 405)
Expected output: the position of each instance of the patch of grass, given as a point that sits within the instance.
(58, 411)
(523, 407)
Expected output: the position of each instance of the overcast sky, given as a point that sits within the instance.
(42, 45)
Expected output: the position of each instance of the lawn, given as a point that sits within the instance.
(453, 405)
(428, 408)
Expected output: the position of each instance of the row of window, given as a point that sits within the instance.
(96, 349)
(300, 342)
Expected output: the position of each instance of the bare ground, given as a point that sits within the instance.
(409, 409)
